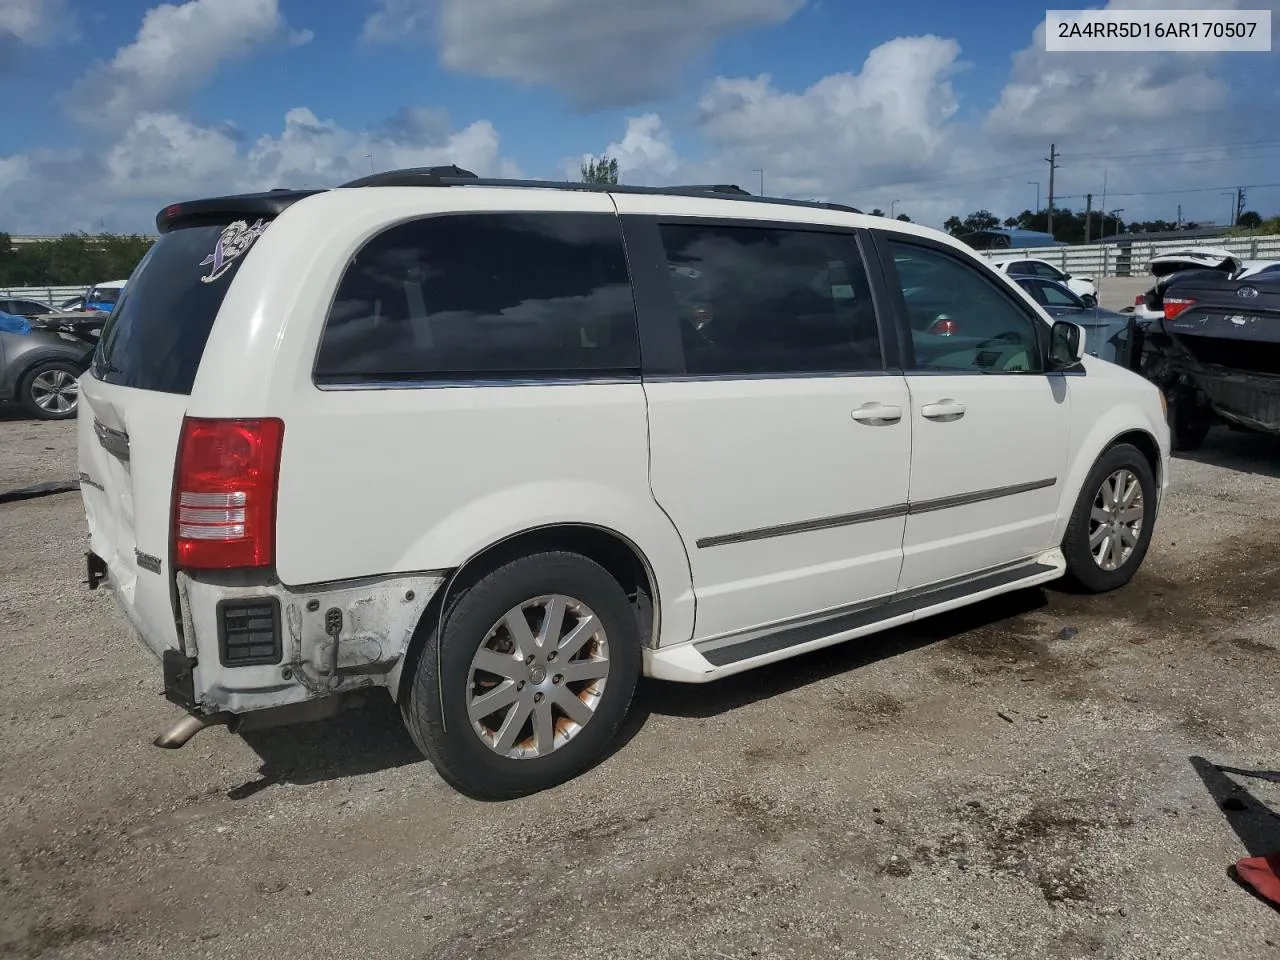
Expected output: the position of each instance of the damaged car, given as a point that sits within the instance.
(1165, 267)
(1215, 352)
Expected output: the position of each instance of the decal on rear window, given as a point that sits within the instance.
(232, 243)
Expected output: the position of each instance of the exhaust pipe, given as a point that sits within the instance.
(183, 730)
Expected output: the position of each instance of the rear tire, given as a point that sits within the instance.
(1189, 422)
(49, 390)
(1095, 561)
(559, 705)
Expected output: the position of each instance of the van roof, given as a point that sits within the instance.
(273, 202)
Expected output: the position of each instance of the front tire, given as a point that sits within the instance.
(1111, 525)
(50, 390)
(530, 679)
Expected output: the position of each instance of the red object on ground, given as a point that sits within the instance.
(1262, 874)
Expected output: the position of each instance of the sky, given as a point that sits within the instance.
(111, 109)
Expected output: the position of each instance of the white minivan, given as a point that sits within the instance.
(500, 448)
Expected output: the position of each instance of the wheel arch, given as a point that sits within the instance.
(28, 361)
(1121, 425)
(617, 553)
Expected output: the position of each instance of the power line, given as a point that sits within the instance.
(1165, 151)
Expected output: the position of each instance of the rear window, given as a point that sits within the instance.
(484, 297)
(103, 295)
(156, 335)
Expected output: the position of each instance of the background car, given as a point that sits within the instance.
(1108, 334)
(40, 367)
(1083, 287)
(1215, 353)
(25, 307)
(1148, 307)
(103, 296)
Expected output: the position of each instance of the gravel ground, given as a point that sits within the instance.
(1034, 777)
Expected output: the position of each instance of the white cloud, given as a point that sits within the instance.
(893, 132)
(162, 157)
(646, 154)
(34, 23)
(596, 52)
(177, 50)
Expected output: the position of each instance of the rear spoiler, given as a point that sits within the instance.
(221, 210)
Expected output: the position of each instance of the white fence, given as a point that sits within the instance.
(1129, 258)
(50, 295)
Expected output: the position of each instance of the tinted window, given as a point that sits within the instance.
(961, 319)
(28, 308)
(1056, 296)
(1044, 270)
(1022, 267)
(484, 296)
(763, 300)
(156, 334)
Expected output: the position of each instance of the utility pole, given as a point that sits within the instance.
(1088, 216)
(1231, 219)
(1179, 216)
(1239, 205)
(1053, 165)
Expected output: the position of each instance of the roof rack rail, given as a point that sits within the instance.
(732, 188)
(414, 177)
(452, 176)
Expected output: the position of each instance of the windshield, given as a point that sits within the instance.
(155, 337)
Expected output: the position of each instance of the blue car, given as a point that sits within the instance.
(102, 297)
(1108, 335)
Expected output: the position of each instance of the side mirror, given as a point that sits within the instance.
(1066, 345)
(1066, 276)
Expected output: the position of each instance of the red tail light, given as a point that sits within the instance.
(1140, 299)
(944, 328)
(1174, 306)
(224, 498)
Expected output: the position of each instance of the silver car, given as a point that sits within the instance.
(40, 368)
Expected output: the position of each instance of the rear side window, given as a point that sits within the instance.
(766, 300)
(484, 297)
(156, 334)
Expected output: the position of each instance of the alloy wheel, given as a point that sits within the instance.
(537, 677)
(1116, 519)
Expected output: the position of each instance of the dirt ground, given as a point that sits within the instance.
(1040, 776)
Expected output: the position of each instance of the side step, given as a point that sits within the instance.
(731, 650)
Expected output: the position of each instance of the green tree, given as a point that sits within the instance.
(602, 169)
(1250, 219)
(903, 217)
(978, 220)
(877, 212)
(72, 259)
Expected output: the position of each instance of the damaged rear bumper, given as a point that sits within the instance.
(1251, 400)
(258, 647)
(246, 648)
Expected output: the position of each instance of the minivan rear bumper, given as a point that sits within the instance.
(251, 646)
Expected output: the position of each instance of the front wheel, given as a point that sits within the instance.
(1110, 528)
(529, 681)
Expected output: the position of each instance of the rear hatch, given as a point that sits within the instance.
(132, 403)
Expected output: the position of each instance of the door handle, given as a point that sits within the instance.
(944, 411)
(877, 414)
